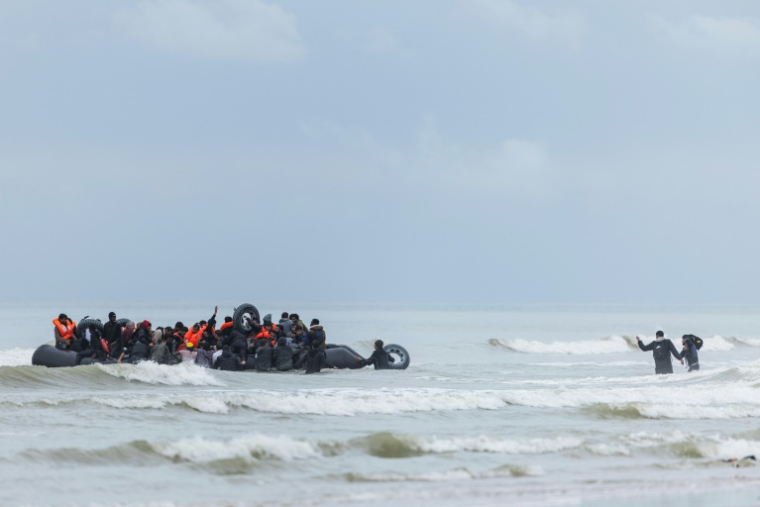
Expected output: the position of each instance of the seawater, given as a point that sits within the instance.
(501, 406)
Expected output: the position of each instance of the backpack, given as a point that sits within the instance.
(696, 340)
(661, 352)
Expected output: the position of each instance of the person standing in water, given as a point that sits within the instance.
(661, 349)
(691, 344)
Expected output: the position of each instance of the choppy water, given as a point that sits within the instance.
(536, 406)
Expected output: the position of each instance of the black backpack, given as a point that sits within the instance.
(696, 340)
(661, 351)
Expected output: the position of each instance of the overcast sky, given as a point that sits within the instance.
(431, 151)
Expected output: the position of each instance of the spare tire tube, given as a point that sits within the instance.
(400, 355)
(123, 322)
(238, 318)
(83, 324)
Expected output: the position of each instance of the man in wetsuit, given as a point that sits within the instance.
(380, 358)
(661, 349)
(689, 352)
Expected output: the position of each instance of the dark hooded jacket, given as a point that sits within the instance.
(227, 361)
(283, 355)
(139, 345)
(314, 360)
(264, 358)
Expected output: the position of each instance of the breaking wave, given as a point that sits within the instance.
(16, 357)
(608, 345)
(153, 373)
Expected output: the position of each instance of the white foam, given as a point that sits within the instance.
(713, 344)
(153, 373)
(16, 357)
(610, 345)
(494, 445)
(253, 447)
(448, 475)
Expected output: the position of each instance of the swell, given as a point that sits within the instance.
(114, 375)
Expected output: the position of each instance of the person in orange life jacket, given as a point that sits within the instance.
(226, 328)
(268, 330)
(317, 333)
(661, 348)
(63, 331)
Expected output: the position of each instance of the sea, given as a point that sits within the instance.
(501, 405)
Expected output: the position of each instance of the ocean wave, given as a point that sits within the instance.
(16, 357)
(609, 345)
(150, 372)
(390, 445)
(446, 475)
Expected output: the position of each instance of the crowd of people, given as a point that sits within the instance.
(662, 350)
(263, 346)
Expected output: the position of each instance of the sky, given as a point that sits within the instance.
(447, 151)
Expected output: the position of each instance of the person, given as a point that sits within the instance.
(97, 347)
(317, 333)
(661, 349)
(380, 358)
(227, 361)
(139, 344)
(285, 325)
(188, 354)
(283, 355)
(301, 338)
(296, 320)
(63, 331)
(314, 359)
(226, 328)
(160, 352)
(127, 332)
(268, 330)
(204, 355)
(689, 351)
(112, 335)
(264, 355)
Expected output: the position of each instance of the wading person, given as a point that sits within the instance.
(661, 348)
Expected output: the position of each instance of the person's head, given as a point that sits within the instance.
(168, 330)
(284, 315)
(282, 342)
(228, 319)
(63, 318)
(179, 325)
(297, 330)
(659, 334)
(206, 345)
(226, 349)
(146, 325)
(314, 322)
(378, 344)
(203, 323)
(294, 317)
(268, 324)
(196, 327)
(268, 318)
(112, 317)
(130, 325)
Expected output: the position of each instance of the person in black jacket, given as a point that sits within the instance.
(112, 335)
(661, 348)
(227, 361)
(95, 348)
(264, 355)
(315, 359)
(139, 344)
(380, 358)
(283, 355)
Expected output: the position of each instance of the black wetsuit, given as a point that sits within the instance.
(381, 359)
(661, 351)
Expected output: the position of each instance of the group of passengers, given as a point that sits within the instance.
(263, 346)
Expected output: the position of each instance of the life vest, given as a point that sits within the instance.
(226, 325)
(264, 334)
(104, 344)
(194, 338)
(66, 332)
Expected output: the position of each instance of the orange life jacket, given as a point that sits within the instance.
(66, 332)
(266, 334)
(194, 338)
(104, 344)
(226, 325)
